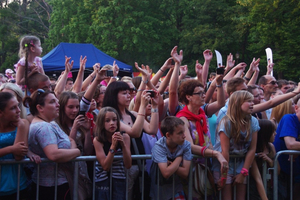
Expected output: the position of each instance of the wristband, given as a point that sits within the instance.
(244, 172)
(112, 151)
(203, 150)
(145, 81)
(114, 77)
(141, 114)
(154, 110)
(140, 90)
(247, 79)
(219, 85)
(162, 70)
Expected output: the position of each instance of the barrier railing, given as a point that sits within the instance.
(134, 157)
(275, 173)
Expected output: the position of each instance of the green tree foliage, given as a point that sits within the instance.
(275, 24)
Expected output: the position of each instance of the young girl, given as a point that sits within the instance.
(238, 133)
(266, 152)
(109, 142)
(30, 62)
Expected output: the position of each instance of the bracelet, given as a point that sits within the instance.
(141, 114)
(244, 172)
(162, 70)
(247, 79)
(114, 77)
(203, 150)
(154, 110)
(219, 85)
(145, 81)
(140, 90)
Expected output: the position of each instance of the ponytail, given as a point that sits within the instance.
(26, 69)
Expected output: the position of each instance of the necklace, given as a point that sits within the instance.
(41, 118)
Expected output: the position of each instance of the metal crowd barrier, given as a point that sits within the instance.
(275, 174)
(134, 157)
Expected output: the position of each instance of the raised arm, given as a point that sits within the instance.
(254, 76)
(91, 77)
(275, 101)
(174, 83)
(115, 73)
(22, 135)
(60, 86)
(199, 70)
(232, 72)
(79, 79)
(229, 63)
(254, 64)
(207, 57)
(217, 105)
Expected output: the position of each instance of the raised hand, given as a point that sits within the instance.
(198, 68)
(207, 54)
(183, 70)
(82, 63)
(144, 70)
(254, 64)
(115, 69)
(177, 57)
(68, 64)
(230, 62)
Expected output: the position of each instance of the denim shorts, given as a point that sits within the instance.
(118, 189)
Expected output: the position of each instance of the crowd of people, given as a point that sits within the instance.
(233, 113)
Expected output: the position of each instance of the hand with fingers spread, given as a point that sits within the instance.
(144, 70)
(270, 68)
(177, 57)
(167, 65)
(254, 64)
(207, 54)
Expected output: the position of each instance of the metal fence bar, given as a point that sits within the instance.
(56, 174)
(94, 173)
(18, 186)
(134, 157)
(75, 189)
(291, 177)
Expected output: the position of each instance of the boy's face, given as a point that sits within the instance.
(178, 136)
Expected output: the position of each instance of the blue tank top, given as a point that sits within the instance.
(9, 173)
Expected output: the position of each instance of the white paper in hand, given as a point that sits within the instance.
(269, 57)
(219, 59)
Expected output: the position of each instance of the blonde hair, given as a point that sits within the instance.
(235, 115)
(26, 42)
(19, 94)
(281, 109)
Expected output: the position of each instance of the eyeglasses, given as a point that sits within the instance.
(199, 93)
(273, 82)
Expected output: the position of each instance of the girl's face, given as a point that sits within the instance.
(124, 98)
(247, 106)
(111, 122)
(38, 48)
(72, 108)
(148, 109)
(11, 111)
(51, 107)
(261, 93)
(272, 138)
(93, 105)
(256, 96)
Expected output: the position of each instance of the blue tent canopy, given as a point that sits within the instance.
(55, 59)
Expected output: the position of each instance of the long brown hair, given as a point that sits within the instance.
(63, 100)
(236, 116)
(100, 132)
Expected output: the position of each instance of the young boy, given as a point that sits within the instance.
(172, 155)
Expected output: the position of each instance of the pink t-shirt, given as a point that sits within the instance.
(37, 62)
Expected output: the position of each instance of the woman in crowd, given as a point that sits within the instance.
(117, 95)
(48, 140)
(17, 92)
(13, 145)
(191, 93)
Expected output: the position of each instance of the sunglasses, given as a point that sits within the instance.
(131, 90)
(273, 82)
